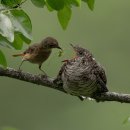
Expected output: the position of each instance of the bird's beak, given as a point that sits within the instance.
(59, 47)
(72, 46)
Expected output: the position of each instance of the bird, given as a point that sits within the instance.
(82, 75)
(38, 53)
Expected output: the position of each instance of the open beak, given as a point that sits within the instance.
(73, 48)
(59, 47)
(72, 45)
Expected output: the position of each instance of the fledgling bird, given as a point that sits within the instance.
(82, 76)
(39, 52)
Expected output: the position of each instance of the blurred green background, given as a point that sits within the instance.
(106, 32)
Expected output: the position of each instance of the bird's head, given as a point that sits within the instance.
(79, 51)
(50, 43)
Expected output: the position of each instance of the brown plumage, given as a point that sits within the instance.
(39, 52)
(83, 76)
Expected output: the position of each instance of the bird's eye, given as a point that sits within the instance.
(51, 45)
(81, 53)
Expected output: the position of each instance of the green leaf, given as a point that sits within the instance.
(56, 4)
(6, 27)
(10, 3)
(22, 23)
(18, 42)
(38, 3)
(73, 2)
(2, 7)
(48, 7)
(2, 59)
(26, 40)
(126, 120)
(8, 128)
(90, 3)
(4, 42)
(64, 16)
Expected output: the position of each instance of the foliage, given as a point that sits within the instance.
(15, 24)
(127, 120)
(2, 59)
(8, 128)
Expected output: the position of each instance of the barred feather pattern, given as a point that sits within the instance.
(83, 76)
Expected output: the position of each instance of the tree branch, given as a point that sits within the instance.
(49, 82)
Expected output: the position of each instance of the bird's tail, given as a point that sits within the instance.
(15, 55)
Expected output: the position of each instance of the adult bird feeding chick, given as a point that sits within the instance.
(82, 76)
(39, 52)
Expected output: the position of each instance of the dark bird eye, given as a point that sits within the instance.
(51, 45)
(81, 53)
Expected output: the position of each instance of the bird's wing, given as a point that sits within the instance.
(102, 75)
(32, 49)
(101, 78)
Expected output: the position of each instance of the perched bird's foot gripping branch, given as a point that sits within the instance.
(81, 76)
(49, 82)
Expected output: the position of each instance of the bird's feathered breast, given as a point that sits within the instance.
(80, 76)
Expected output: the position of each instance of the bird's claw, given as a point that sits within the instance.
(19, 70)
(43, 76)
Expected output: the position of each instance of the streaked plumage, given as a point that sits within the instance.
(83, 76)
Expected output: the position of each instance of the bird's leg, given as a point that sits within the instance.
(21, 65)
(40, 65)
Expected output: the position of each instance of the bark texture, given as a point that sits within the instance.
(55, 83)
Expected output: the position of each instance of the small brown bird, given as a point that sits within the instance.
(39, 52)
(82, 76)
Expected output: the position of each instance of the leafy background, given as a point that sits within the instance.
(16, 26)
(105, 32)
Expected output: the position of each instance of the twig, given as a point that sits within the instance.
(49, 82)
